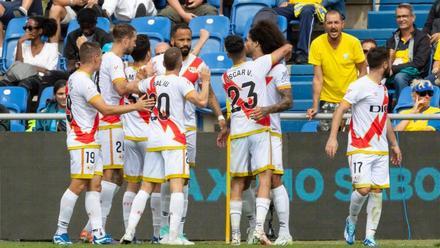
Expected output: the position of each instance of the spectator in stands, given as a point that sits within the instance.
(184, 10)
(337, 60)
(87, 19)
(127, 10)
(17, 8)
(63, 11)
(409, 50)
(42, 55)
(302, 10)
(367, 45)
(432, 24)
(55, 105)
(422, 91)
(338, 5)
(160, 48)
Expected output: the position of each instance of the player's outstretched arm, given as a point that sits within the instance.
(281, 53)
(332, 143)
(204, 36)
(201, 99)
(396, 154)
(124, 87)
(143, 104)
(284, 104)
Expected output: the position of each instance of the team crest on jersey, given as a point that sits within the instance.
(192, 69)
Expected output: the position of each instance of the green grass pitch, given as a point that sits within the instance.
(296, 244)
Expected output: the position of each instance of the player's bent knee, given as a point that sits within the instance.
(78, 185)
(133, 187)
(277, 181)
(364, 191)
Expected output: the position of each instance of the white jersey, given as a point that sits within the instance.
(191, 68)
(368, 125)
(277, 79)
(167, 126)
(135, 124)
(245, 85)
(82, 118)
(110, 73)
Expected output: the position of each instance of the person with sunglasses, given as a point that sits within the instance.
(42, 55)
(422, 92)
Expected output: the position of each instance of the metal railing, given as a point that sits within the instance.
(289, 116)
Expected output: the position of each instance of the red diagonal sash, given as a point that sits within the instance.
(191, 73)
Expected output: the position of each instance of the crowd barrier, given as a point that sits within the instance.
(34, 173)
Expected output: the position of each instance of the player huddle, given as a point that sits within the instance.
(139, 123)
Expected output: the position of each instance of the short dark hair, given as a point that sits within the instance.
(121, 31)
(179, 26)
(332, 12)
(369, 41)
(268, 35)
(171, 58)
(87, 16)
(60, 83)
(49, 25)
(234, 44)
(142, 47)
(377, 56)
(87, 51)
(406, 6)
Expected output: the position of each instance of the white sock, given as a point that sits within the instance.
(176, 211)
(137, 209)
(93, 209)
(127, 201)
(235, 212)
(249, 205)
(185, 209)
(155, 213)
(164, 204)
(88, 226)
(356, 203)
(67, 204)
(262, 206)
(374, 210)
(109, 190)
(281, 202)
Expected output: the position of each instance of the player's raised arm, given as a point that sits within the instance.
(281, 53)
(332, 143)
(201, 98)
(143, 104)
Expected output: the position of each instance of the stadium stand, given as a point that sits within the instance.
(218, 62)
(153, 24)
(215, 25)
(13, 32)
(250, 7)
(405, 99)
(392, 4)
(103, 23)
(380, 35)
(282, 24)
(15, 98)
(45, 95)
(387, 19)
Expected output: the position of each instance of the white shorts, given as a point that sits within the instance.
(70, 15)
(277, 153)
(134, 157)
(112, 147)
(85, 163)
(251, 155)
(369, 170)
(191, 141)
(165, 165)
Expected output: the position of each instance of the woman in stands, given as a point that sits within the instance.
(43, 55)
(55, 105)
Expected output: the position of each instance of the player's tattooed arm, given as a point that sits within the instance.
(332, 143)
(284, 104)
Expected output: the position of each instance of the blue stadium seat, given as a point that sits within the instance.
(16, 126)
(13, 32)
(302, 90)
(301, 105)
(292, 125)
(45, 95)
(301, 73)
(217, 88)
(217, 62)
(213, 44)
(310, 127)
(153, 24)
(282, 25)
(387, 19)
(379, 35)
(14, 98)
(416, 7)
(394, 3)
(218, 25)
(103, 23)
(243, 10)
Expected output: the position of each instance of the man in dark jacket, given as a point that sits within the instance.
(87, 31)
(409, 50)
(432, 24)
